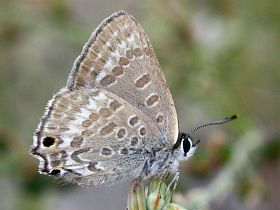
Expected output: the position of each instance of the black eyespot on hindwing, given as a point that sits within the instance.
(48, 141)
(54, 172)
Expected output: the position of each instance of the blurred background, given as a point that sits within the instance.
(219, 57)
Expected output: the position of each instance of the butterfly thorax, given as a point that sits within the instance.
(162, 161)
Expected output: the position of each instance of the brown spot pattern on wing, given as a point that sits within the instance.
(152, 100)
(142, 81)
(107, 128)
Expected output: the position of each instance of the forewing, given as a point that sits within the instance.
(119, 58)
(91, 137)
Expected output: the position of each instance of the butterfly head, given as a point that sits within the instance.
(185, 144)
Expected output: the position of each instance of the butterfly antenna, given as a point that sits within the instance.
(218, 122)
(182, 136)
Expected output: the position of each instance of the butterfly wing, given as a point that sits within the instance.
(91, 137)
(115, 108)
(119, 58)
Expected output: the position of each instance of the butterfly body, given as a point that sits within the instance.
(115, 118)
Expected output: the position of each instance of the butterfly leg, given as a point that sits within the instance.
(173, 182)
(165, 174)
(136, 182)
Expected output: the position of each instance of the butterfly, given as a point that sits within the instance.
(115, 118)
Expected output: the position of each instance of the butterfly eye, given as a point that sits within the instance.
(186, 145)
